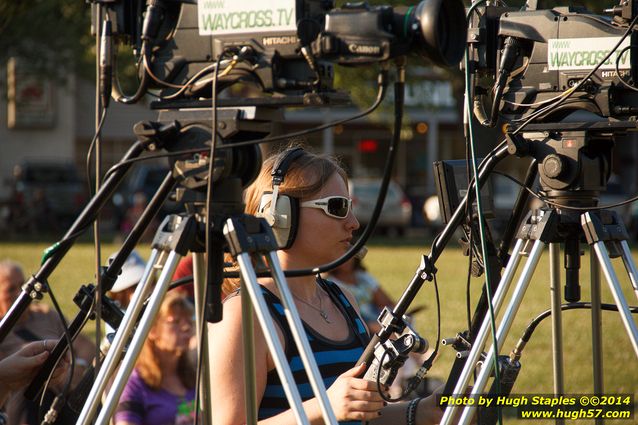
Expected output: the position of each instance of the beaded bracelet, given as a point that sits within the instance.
(411, 412)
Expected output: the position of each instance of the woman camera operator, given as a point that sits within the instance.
(337, 335)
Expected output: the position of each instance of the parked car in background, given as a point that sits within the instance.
(45, 195)
(397, 210)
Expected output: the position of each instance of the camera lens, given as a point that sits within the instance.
(440, 33)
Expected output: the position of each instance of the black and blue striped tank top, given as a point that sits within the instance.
(333, 358)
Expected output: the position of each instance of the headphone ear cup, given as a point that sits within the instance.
(284, 222)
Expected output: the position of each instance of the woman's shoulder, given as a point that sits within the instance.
(135, 386)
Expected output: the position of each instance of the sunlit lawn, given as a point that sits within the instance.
(394, 264)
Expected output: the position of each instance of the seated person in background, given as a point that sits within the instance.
(122, 291)
(353, 277)
(161, 389)
(38, 322)
(124, 287)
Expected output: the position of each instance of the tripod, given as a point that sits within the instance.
(601, 230)
(249, 238)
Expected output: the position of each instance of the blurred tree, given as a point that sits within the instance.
(52, 36)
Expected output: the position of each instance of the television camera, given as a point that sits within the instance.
(535, 57)
(286, 47)
(562, 81)
(562, 77)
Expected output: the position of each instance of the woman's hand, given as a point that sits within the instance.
(17, 370)
(354, 398)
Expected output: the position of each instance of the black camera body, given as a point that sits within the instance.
(555, 50)
(290, 60)
(272, 59)
(361, 34)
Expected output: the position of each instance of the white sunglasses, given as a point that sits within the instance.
(334, 206)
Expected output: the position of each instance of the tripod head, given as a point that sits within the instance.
(574, 159)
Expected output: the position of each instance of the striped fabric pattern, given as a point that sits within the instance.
(333, 358)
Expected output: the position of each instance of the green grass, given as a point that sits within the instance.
(394, 264)
(76, 268)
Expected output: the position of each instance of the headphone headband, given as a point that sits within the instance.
(280, 168)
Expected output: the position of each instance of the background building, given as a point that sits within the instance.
(45, 121)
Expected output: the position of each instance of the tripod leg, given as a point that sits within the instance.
(118, 346)
(630, 266)
(249, 358)
(596, 328)
(199, 284)
(270, 333)
(616, 290)
(301, 340)
(504, 327)
(484, 331)
(135, 347)
(557, 325)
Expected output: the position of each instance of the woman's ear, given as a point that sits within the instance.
(152, 334)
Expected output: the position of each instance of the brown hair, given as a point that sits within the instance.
(148, 364)
(305, 177)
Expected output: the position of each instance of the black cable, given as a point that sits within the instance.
(531, 327)
(554, 105)
(399, 96)
(480, 217)
(432, 357)
(67, 335)
(416, 380)
(139, 92)
(540, 197)
(617, 67)
(179, 282)
(384, 396)
(98, 132)
(200, 356)
(209, 225)
(467, 285)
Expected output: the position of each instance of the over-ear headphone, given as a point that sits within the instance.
(281, 211)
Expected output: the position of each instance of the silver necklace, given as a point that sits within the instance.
(320, 310)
